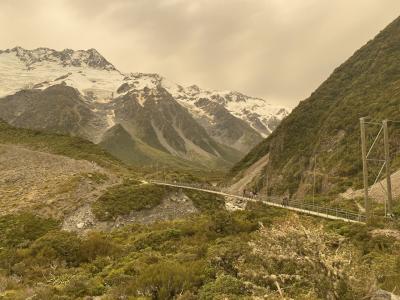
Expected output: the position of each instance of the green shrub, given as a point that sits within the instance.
(206, 201)
(155, 239)
(121, 200)
(82, 285)
(225, 252)
(58, 245)
(226, 223)
(96, 245)
(224, 287)
(62, 246)
(167, 279)
(20, 230)
(117, 277)
(257, 212)
(206, 256)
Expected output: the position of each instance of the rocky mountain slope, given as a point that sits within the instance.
(58, 109)
(52, 175)
(81, 93)
(326, 125)
(57, 184)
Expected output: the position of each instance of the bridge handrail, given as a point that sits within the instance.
(300, 204)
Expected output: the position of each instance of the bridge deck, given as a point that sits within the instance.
(323, 212)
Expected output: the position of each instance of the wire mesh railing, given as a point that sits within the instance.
(322, 210)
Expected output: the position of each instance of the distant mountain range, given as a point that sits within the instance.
(81, 93)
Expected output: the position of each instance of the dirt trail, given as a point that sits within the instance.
(50, 185)
(248, 175)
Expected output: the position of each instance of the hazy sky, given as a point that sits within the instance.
(280, 50)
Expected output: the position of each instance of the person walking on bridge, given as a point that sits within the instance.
(285, 200)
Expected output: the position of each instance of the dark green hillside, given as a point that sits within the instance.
(327, 123)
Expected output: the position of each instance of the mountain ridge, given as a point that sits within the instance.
(186, 122)
(67, 57)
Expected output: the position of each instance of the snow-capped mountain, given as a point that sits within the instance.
(187, 122)
(260, 115)
(87, 70)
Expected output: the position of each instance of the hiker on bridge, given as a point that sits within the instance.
(285, 200)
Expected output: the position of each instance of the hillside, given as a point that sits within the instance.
(63, 177)
(326, 125)
(52, 175)
(215, 255)
(58, 144)
(78, 224)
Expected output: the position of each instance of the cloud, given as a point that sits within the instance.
(277, 49)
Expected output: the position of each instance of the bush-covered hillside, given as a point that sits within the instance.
(218, 255)
(122, 199)
(213, 254)
(327, 123)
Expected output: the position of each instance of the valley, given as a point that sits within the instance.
(122, 186)
(95, 228)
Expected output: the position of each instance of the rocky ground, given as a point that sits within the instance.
(253, 171)
(51, 185)
(175, 205)
(64, 188)
(377, 191)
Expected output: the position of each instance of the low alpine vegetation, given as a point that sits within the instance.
(122, 199)
(260, 252)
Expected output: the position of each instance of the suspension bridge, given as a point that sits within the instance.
(293, 205)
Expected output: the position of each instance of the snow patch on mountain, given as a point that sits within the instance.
(41, 68)
(65, 58)
(100, 82)
(260, 115)
(110, 118)
(140, 81)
